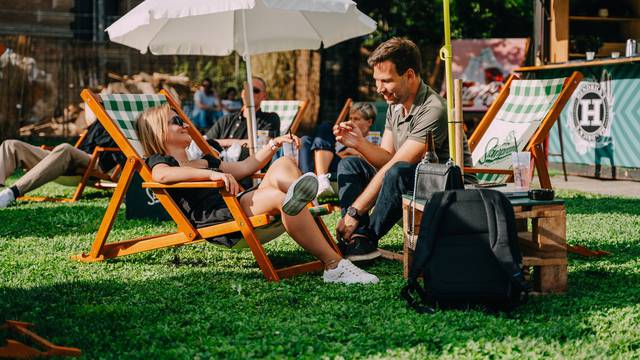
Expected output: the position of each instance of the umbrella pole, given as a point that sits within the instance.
(446, 55)
(251, 121)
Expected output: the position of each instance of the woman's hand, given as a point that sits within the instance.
(289, 138)
(230, 183)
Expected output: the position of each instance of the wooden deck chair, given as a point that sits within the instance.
(118, 114)
(344, 113)
(92, 176)
(20, 349)
(289, 111)
(519, 120)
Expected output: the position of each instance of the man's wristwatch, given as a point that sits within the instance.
(353, 212)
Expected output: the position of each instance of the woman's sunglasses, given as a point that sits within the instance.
(177, 120)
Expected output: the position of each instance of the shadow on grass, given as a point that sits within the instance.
(60, 219)
(213, 312)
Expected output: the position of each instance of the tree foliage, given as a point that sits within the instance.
(422, 21)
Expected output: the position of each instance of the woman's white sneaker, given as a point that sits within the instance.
(347, 273)
(300, 193)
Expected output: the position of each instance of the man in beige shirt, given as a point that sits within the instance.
(387, 171)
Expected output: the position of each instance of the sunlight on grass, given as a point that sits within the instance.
(201, 301)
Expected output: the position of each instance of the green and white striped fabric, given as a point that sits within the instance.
(528, 103)
(286, 110)
(124, 109)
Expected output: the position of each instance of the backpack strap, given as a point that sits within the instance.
(502, 231)
(424, 248)
(418, 305)
(428, 230)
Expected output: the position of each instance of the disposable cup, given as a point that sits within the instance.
(521, 169)
(290, 150)
(590, 55)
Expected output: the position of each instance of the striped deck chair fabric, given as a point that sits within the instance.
(124, 109)
(286, 110)
(528, 103)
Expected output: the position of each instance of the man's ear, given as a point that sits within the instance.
(410, 73)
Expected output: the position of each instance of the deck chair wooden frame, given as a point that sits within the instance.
(92, 175)
(186, 233)
(15, 349)
(536, 142)
(297, 119)
(344, 113)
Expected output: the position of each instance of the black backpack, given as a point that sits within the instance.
(468, 254)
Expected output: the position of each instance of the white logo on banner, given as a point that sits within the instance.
(152, 197)
(590, 113)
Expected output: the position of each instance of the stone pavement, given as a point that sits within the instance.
(598, 186)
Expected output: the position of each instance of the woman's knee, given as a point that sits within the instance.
(284, 162)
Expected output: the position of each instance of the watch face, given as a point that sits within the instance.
(352, 212)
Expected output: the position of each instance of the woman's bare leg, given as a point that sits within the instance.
(268, 198)
(322, 160)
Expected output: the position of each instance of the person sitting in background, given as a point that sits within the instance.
(319, 154)
(45, 166)
(283, 191)
(231, 104)
(232, 129)
(206, 105)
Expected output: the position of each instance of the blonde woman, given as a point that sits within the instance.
(283, 191)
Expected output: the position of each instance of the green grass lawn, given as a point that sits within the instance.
(199, 301)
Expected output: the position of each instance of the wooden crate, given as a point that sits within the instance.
(542, 239)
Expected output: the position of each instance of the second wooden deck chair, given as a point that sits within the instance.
(92, 176)
(118, 114)
(519, 120)
(289, 111)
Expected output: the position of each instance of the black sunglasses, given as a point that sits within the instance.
(177, 120)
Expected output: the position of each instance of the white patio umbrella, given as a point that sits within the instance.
(219, 27)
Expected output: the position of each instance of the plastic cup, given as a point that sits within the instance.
(521, 170)
(262, 138)
(615, 54)
(590, 55)
(290, 150)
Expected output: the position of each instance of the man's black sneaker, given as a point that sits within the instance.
(360, 249)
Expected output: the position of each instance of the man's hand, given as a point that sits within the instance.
(345, 228)
(348, 134)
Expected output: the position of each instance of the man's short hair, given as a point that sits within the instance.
(403, 53)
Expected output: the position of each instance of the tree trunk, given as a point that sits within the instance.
(292, 75)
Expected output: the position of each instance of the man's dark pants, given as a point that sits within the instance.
(354, 174)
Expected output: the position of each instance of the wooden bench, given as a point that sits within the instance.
(541, 234)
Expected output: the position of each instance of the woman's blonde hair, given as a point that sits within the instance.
(153, 126)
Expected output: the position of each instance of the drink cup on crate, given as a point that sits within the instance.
(290, 150)
(521, 169)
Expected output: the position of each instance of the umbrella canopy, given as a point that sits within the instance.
(219, 27)
(215, 27)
